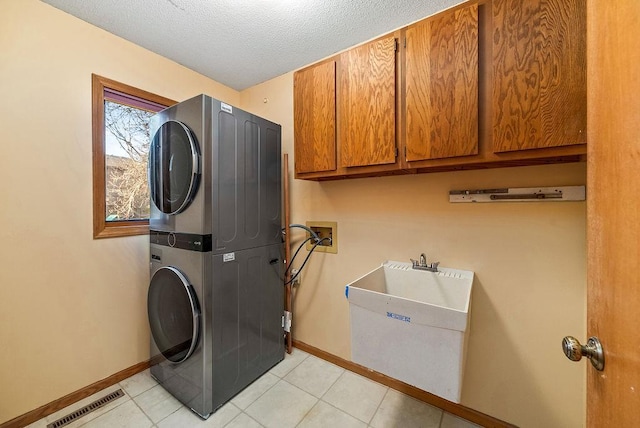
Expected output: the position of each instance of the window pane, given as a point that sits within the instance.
(126, 151)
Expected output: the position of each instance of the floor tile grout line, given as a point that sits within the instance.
(305, 392)
(296, 366)
(149, 389)
(257, 398)
(335, 381)
(344, 371)
(308, 411)
(441, 418)
(169, 415)
(269, 389)
(379, 404)
(238, 415)
(148, 372)
(345, 412)
(325, 392)
(145, 413)
(319, 399)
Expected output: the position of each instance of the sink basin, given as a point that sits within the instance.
(412, 325)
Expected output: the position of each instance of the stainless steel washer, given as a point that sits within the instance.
(215, 299)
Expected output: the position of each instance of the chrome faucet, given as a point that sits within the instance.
(423, 265)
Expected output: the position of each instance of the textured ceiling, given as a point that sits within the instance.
(240, 43)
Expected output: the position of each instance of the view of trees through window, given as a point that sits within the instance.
(127, 142)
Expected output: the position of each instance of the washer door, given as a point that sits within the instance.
(174, 167)
(174, 314)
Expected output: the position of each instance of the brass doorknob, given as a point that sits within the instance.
(592, 350)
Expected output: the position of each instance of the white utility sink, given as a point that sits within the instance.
(412, 325)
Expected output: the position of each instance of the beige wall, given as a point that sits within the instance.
(529, 260)
(72, 309)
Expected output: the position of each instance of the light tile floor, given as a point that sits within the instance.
(302, 391)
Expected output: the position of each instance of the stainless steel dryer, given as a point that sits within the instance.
(215, 299)
(215, 170)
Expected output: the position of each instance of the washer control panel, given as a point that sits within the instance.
(185, 241)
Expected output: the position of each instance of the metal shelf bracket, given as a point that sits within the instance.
(520, 194)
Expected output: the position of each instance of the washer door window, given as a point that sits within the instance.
(174, 167)
(174, 314)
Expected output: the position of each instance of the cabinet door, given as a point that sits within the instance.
(539, 74)
(442, 86)
(314, 99)
(367, 101)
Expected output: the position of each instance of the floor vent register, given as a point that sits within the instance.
(71, 417)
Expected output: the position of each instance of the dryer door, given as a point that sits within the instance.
(174, 314)
(174, 167)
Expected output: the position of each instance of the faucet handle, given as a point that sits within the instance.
(423, 260)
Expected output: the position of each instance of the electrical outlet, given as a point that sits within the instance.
(296, 281)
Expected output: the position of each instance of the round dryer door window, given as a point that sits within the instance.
(174, 314)
(174, 167)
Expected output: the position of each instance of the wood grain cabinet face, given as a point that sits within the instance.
(367, 104)
(539, 73)
(442, 86)
(491, 84)
(314, 114)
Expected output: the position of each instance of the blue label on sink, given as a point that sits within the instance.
(399, 317)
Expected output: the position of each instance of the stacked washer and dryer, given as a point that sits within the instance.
(215, 300)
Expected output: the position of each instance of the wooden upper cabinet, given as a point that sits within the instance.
(539, 74)
(442, 86)
(367, 104)
(485, 84)
(314, 112)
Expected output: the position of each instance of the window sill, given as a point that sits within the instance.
(119, 229)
